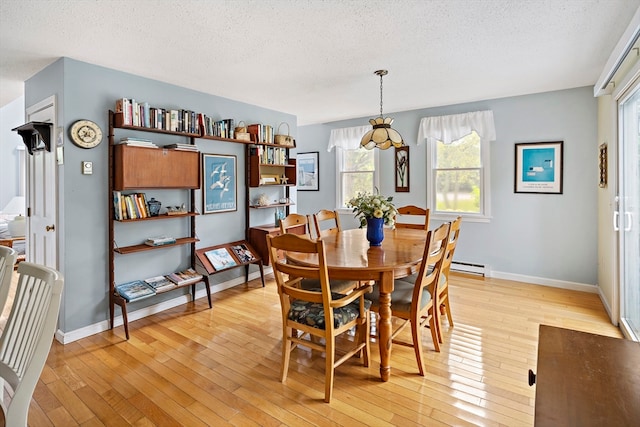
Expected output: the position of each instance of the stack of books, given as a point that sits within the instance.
(159, 241)
(183, 147)
(137, 142)
(185, 277)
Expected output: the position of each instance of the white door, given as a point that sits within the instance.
(42, 192)
(629, 212)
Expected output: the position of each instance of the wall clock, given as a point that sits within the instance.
(86, 134)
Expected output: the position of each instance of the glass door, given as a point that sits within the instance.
(629, 212)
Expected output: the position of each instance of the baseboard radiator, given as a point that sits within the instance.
(468, 268)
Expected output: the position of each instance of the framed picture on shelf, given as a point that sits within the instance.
(402, 169)
(538, 167)
(308, 171)
(219, 186)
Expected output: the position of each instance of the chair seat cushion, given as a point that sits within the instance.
(400, 297)
(414, 277)
(338, 286)
(312, 314)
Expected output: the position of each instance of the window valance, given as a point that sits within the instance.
(347, 138)
(455, 126)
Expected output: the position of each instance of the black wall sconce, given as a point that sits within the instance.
(35, 135)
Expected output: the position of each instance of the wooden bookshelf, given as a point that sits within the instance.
(133, 168)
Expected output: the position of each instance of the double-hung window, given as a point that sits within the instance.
(356, 167)
(458, 164)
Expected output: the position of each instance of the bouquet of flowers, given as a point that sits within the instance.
(367, 205)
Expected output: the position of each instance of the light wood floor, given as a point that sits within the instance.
(191, 366)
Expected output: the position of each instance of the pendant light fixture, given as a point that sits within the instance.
(382, 135)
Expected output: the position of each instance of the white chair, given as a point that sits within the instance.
(8, 258)
(27, 336)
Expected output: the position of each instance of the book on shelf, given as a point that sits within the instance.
(135, 290)
(160, 283)
(243, 253)
(182, 147)
(137, 142)
(220, 258)
(117, 206)
(173, 120)
(159, 241)
(123, 105)
(184, 277)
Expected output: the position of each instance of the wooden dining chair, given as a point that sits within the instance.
(8, 258)
(297, 224)
(27, 336)
(326, 222)
(416, 303)
(443, 283)
(293, 224)
(317, 313)
(411, 216)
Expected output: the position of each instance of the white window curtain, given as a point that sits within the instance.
(455, 126)
(347, 138)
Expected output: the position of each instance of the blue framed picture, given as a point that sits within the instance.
(219, 189)
(538, 167)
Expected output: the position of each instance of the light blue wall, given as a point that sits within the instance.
(86, 91)
(535, 235)
(546, 236)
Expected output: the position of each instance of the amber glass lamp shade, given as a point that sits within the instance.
(382, 135)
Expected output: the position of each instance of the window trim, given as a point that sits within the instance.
(340, 174)
(485, 183)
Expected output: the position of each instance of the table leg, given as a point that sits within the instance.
(386, 287)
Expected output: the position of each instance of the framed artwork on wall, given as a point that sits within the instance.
(538, 167)
(602, 165)
(308, 172)
(402, 169)
(219, 186)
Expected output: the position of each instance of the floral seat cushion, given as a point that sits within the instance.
(312, 314)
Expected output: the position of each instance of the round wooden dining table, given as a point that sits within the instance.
(348, 256)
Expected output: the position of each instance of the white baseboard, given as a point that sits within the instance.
(67, 337)
(607, 307)
(546, 282)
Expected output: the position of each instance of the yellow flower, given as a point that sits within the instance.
(378, 213)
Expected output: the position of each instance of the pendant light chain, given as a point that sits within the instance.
(381, 94)
(382, 135)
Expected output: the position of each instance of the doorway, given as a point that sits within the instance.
(629, 211)
(42, 192)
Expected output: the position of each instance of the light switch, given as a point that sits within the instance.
(87, 168)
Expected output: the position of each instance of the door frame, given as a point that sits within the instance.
(626, 90)
(50, 257)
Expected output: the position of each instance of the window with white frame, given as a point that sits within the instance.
(356, 167)
(458, 163)
(357, 174)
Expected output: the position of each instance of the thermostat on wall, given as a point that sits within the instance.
(87, 168)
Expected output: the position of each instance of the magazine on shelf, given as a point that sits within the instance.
(243, 253)
(220, 258)
(184, 277)
(160, 240)
(160, 283)
(135, 290)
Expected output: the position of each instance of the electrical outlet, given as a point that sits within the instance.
(87, 168)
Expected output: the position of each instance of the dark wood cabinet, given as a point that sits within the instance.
(141, 167)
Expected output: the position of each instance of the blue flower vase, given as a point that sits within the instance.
(375, 234)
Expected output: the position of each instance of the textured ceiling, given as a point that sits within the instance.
(315, 59)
